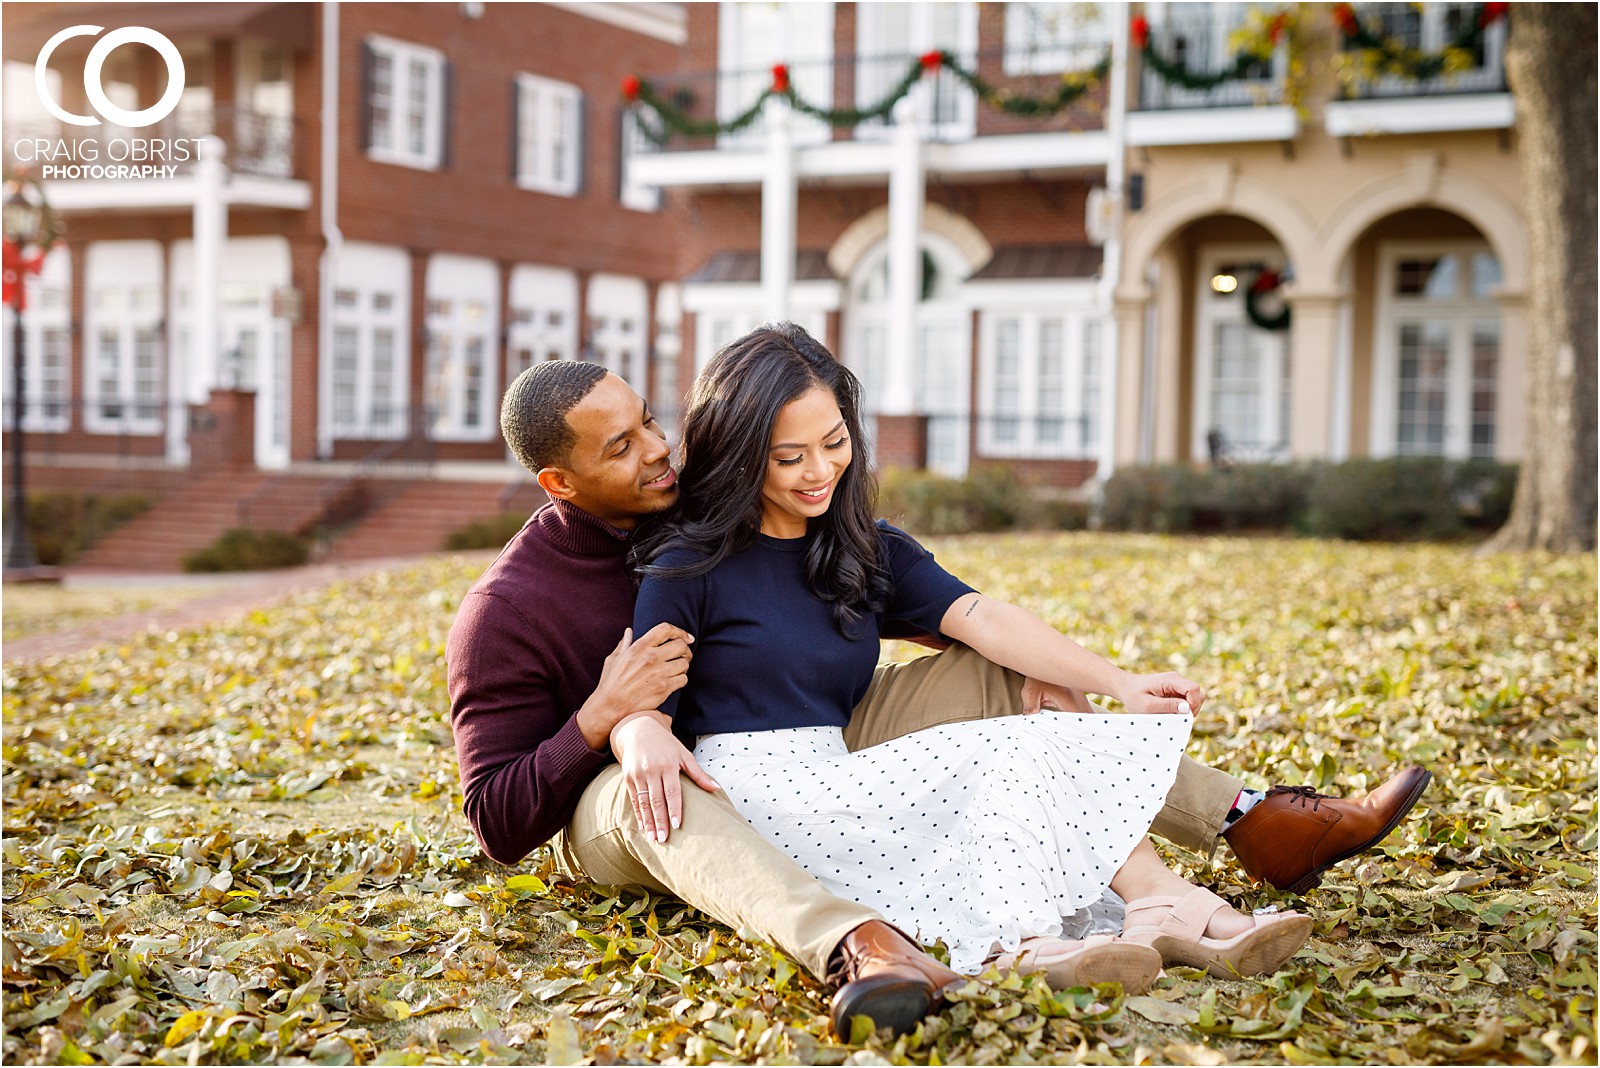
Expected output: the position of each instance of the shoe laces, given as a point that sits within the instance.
(1301, 795)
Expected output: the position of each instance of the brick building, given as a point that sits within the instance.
(414, 201)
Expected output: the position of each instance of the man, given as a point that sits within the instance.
(542, 691)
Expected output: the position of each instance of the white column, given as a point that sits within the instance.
(210, 236)
(1111, 257)
(779, 198)
(1313, 333)
(906, 196)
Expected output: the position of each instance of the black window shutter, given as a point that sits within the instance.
(446, 103)
(367, 63)
(516, 129)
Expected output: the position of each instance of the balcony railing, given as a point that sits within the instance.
(269, 146)
(1429, 28)
(952, 111)
(1194, 37)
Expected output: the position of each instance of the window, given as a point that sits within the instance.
(751, 38)
(1241, 399)
(463, 323)
(124, 342)
(633, 194)
(542, 323)
(46, 347)
(1429, 28)
(549, 118)
(616, 328)
(406, 103)
(1040, 382)
(1438, 352)
(371, 304)
(668, 390)
(890, 35)
(1049, 38)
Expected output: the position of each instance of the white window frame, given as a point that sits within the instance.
(371, 272)
(1462, 312)
(1223, 18)
(634, 194)
(463, 361)
(1276, 364)
(1080, 323)
(397, 147)
(132, 271)
(874, 42)
(549, 135)
(542, 321)
(1055, 37)
(616, 333)
(47, 392)
(748, 59)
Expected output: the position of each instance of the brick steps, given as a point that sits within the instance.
(420, 517)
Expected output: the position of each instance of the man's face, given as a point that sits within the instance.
(619, 470)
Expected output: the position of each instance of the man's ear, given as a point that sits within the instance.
(553, 480)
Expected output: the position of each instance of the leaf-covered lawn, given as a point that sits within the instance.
(245, 844)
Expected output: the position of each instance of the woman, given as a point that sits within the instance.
(989, 835)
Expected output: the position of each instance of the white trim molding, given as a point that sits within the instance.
(1212, 126)
(1417, 115)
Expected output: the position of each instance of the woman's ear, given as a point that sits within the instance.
(554, 482)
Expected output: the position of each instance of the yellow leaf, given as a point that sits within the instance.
(184, 1026)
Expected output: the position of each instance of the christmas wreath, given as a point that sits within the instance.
(1265, 288)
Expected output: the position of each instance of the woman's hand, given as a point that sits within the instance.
(651, 758)
(1165, 692)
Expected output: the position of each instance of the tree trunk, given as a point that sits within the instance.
(1550, 64)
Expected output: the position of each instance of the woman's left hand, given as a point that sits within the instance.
(1165, 692)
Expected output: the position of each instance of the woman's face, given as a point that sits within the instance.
(810, 450)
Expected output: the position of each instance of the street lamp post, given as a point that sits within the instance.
(22, 221)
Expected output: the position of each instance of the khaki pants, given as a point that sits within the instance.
(720, 865)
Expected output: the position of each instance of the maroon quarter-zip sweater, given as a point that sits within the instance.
(524, 655)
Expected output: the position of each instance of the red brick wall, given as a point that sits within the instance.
(902, 441)
(473, 206)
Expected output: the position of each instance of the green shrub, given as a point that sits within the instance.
(1397, 499)
(990, 498)
(1409, 498)
(490, 533)
(246, 549)
(62, 524)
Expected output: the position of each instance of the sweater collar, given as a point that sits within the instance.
(571, 528)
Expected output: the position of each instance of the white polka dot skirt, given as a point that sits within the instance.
(979, 834)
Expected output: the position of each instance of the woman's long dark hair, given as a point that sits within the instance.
(727, 435)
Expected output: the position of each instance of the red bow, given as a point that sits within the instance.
(780, 78)
(1141, 31)
(1492, 13)
(1345, 16)
(932, 61)
(16, 268)
(630, 88)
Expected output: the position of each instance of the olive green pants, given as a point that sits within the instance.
(720, 865)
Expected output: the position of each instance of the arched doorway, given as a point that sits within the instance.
(1432, 371)
(941, 386)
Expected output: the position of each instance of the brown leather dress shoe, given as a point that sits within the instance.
(1294, 834)
(879, 972)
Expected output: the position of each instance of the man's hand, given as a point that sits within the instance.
(638, 675)
(651, 758)
(1166, 692)
(1037, 696)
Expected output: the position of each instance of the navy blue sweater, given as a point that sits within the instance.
(767, 655)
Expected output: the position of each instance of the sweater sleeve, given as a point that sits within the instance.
(680, 602)
(524, 762)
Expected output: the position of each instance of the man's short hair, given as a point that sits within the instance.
(533, 412)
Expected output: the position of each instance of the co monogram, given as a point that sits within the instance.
(95, 89)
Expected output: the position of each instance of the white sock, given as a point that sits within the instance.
(1247, 800)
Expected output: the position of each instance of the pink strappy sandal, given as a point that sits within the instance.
(1175, 928)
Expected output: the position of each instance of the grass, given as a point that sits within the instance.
(243, 842)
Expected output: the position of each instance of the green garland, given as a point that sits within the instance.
(671, 119)
(1393, 58)
(1178, 74)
